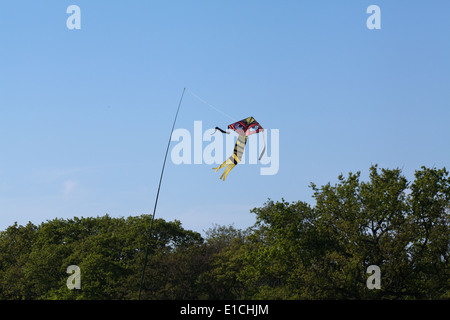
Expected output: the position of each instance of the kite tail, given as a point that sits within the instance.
(264, 150)
(223, 131)
(234, 159)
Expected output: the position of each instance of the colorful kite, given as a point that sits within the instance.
(244, 128)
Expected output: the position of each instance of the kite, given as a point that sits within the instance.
(244, 128)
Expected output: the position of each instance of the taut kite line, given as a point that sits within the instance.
(157, 196)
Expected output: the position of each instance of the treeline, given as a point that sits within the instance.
(294, 250)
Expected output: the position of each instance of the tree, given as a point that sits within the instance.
(16, 243)
(323, 252)
(429, 222)
(295, 250)
(224, 250)
(109, 252)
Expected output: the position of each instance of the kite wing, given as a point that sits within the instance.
(244, 128)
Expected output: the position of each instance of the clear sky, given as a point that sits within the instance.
(86, 114)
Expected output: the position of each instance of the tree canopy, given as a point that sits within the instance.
(295, 250)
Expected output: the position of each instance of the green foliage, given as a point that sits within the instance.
(323, 252)
(109, 252)
(294, 251)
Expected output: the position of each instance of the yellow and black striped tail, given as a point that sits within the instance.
(235, 158)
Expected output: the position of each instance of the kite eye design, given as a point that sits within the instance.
(238, 126)
(254, 128)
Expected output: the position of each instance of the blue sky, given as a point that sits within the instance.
(86, 114)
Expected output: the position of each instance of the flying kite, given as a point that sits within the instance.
(244, 128)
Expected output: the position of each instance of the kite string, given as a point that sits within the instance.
(210, 105)
(150, 232)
